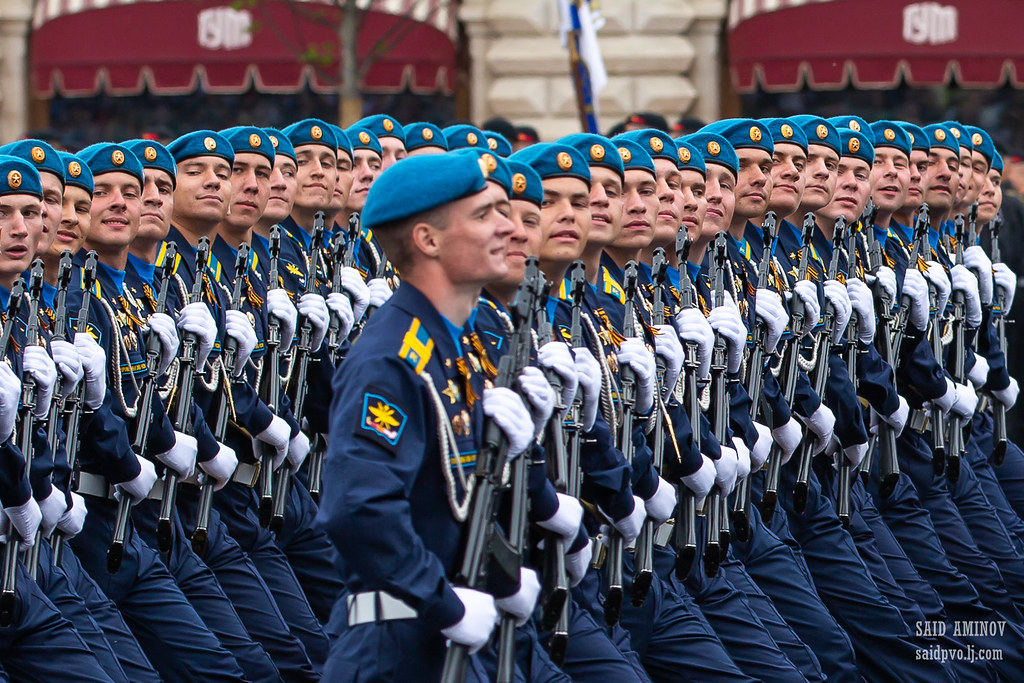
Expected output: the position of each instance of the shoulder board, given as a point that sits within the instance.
(612, 287)
(417, 346)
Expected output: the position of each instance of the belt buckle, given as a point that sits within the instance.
(255, 475)
(599, 552)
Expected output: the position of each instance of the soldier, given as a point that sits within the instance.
(424, 138)
(390, 134)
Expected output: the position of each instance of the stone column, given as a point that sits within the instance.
(15, 18)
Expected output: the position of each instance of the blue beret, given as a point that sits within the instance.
(597, 150)
(423, 183)
(852, 122)
(634, 156)
(690, 158)
(526, 184)
(997, 161)
(106, 157)
(151, 154)
(78, 174)
(281, 143)
(383, 126)
(714, 149)
(818, 131)
(960, 133)
(785, 131)
(982, 142)
(199, 143)
(555, 160)
(39, 154)
(497, 168)
(658, 144)
(423, 134)
(361, 138)
(311, 132)
(890, 134)
(940, 136)
(250, 139)
(18, 176)
(498, 143)
(465, 135)
(918, 138)
(743, 134)
(341, 138)
(858, 145)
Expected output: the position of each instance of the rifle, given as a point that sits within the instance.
(484, 542)
(939, 450)
(8, 581)
(270, 392)
(303, 351)
(228, 359)
(998, 409)
(719, 425)
(182, 421)
(955, 438)
(902, 315)
(686, 512)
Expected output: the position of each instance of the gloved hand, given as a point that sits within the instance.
(576, 564)
(25, 519)
(341, 308)
(701, 481)
(836, 293)
(238, 327)
(94, 368)
(36, 362)
(588, 370)
(936, 275)
(725, 470)
(504, 406)
(822, 423)
(762, 447)
(886, 279)
(1005, 280)
(978, 261)
(474, 628)
(898, 419)
(662, 504)
(788, 437)
(769, 310)
(52, 508)
(138, 488)
(221, 466)
(521, 603)
(629, 526)
(380, 291)
(298, 449)
(915, 289)
(196, 318)
(313, 308)
(162, 325)
(69, 365)
(280, 306)
(808, 293)
(946, 401)
(742, 458)
(1007, 396)
(181, 458)
(668, 347)
(276, 435)
(566, 520)
(964, 281)
(540, 397)
(726, 321)
(863, 303)
(966, 402)
(978, 373)
(855, 454)
(10, 397)
(556, 357)
(693, 328)
(358, 292)
(73, 520)
(634, 353)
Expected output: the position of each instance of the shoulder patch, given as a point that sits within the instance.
(417, 346)
(612, 287)
(382, 418)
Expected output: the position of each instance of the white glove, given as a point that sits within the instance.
(915, 288)
(504, 406)
(788, 437)
(196, 318)
(25, 519)
(314, 308)
(668, 347)
(566, 520)
(238, 327)
(946, 401)
(182, 456)
(762, 447)
(276, 435)
(540, 397)
(10, 397)
(162, 325)
(73, 520)
(886, 278)
(836, 293)
(862, 302)
(742, 459)
(936, 275)
(577, 563)
(69, 365)
(823, 423)
(854, 454)
(1006, 280)
(521, 603)
(221, 466)
(588, 370)
(965, 281)
(898, 420)
(352, 282)
(298, 449)
(768, 307)
(52, 508)
(341, 308)
(629, 526)
(662, 504)
(808, 293)
(555, 356)
(725, 470)
(36, 362)
(693, 328)
(380, 291)
(474, 628)
(280, 306)
(966, 401)
(94, 368)
(701, 481)
(726, 321)
(978, 261)
(634, 353)
(979, 371)
(1007, 396)
(138, 488)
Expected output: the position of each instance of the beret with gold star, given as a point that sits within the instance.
(249, 139)
(555, 160)
(982, 142)
(497, 168)
(714, 149)
(658, 144)
(857, 145)
(850, 121)
(785, 131)
(818, 131)
(919, 140)
(959, 131)
(383, 126)
(941, 137)
(889, 134)
(634, 156)
(38, 153)
(281, 143)
(364, 139)
(107, 157)
(464, 135)
(526, 183)
(422, 134)
(341, 137)
(498, 144)
(743, 134)
(199, 143)
(311, 132)
(151, 154)
(597, 150)
(18, 176)
(77, 171)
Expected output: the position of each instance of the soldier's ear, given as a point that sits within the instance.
(426, 239)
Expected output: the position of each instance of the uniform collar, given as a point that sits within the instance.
(49, 294)
(146, 271)
(111, 276)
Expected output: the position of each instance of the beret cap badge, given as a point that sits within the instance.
(787, 131)
(596, 152)
(714, 149)
(74, 169)
(471, 138)
(273, 141)
(364, 137)
(684, 155)
(976, 139)
(316, 133)
(254, 140)
(14, 180)
(854, 145)
(117, 157)
(564, 161)
(492, 144)
(821, 131)
(38, 155)
(956, 132)
(210, 144)
(150, 154)
(854, 125)
(428, 134)
(490, 162)
(755, 134)
(626, 155)
(388, 126)
(518, 183)
(656, 144)
(940, 135)
(889, 134)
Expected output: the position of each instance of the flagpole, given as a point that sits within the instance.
(580, 74)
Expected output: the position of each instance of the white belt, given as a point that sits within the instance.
(377, 606)
(97, 486)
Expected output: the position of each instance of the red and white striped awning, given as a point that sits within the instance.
(122, 47)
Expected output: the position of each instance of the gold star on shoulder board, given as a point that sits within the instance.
(452, 391)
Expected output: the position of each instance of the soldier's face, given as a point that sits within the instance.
(789, 162)
(203, 190)
(605, 206)
(979, 171)
(53, 200)
(721, 200)
(74, 222)
(943, 179)
(693, 191)
(853, 187)
(670, 202)
(564, 219)
(317, 171)
(991, 197)
(393, 151)
(471, 249)
(523, 241)
(366, 167)
(282, 190)
(157, 205)
(964, 188)
(754, 183)
(918, 173)
(250, 189)
(116, 207)
(639, 209)
(819, 177)
(21, 223)
(890, 178)
(343, 185)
